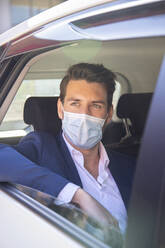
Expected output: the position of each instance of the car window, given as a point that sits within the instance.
(34, 87)
(106, 233)
(130, 58)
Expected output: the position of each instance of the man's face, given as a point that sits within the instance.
(86, 98)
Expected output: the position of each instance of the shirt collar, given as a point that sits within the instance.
(103, 155)
(104, 160)
(71, 149)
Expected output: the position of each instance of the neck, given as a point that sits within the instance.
(91, 158)
(91, 161)
(90, 154)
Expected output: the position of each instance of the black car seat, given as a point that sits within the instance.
(133, 110)
(113, 132)
(41, 113)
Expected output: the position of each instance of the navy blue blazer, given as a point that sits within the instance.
(42, 161)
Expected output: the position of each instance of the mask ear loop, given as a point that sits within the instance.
(62, 107)
(104, 126)
(106, 118)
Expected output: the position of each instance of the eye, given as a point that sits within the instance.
(74, 104)
(97, 106)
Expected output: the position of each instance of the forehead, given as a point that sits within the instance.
(84, 88)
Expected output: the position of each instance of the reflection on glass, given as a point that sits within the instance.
(106, 233)
(23, 9)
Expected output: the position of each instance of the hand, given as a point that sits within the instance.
(93, 208)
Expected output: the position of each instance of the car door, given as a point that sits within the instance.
(146, 216)
(144, 222)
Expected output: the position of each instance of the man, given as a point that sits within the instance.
(74, 165)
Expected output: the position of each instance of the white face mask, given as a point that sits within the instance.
(84, 131)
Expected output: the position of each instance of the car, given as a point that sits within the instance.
(127, 37)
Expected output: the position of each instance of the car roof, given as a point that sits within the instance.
(63, 10)
(43, 18)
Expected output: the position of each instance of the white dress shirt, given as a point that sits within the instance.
(103, 189)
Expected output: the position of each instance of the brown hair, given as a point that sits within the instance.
(91, 73)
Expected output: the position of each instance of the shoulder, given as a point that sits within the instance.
(34, 144)
(39, 138)
(122, 164)
(120, 157)
(36, 136)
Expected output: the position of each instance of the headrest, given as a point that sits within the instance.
(41, 113)
(134, 107)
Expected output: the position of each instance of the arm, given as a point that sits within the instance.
(93, 208)
(74, 194)
(16, 168)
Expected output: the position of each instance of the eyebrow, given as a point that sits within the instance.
(99, 101)
(73, 99)
(78, 100)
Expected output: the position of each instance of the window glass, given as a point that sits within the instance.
(105, 233)
(21, 10)
(42, 87)
(131, 60)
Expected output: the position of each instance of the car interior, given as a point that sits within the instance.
(136, 69)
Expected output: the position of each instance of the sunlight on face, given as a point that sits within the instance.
(86, 98)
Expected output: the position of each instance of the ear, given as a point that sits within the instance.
(109, 115)
(60, 109)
